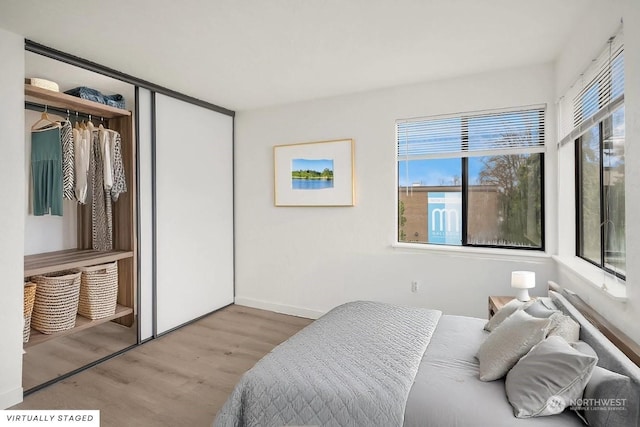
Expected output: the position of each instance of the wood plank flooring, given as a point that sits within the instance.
(50, 359)
(180, 379)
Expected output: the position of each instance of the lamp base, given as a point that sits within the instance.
(523, 295)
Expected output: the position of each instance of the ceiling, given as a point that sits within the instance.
(246, 54)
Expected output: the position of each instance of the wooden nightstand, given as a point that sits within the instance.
(496, 303)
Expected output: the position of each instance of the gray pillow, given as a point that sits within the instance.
(584, 348)
(512, 339)
(621, 407)
(605, 384)
(564, 326)
(539, 308)
(549, 378)
(507, 310)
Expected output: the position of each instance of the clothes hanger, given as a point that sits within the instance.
(44, 118)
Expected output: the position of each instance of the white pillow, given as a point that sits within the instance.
(540, 308)
(548, 378)
(505, 311)
(511, 340)
(565, 327)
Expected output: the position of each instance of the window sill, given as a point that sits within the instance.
(609, 285)
(489, 253)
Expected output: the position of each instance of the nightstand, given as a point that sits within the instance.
(496, 303)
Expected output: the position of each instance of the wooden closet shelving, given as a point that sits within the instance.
(50, 262)
(81, 323)
(124, 236)
(72, 103)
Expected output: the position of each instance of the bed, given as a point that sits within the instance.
(374, 364)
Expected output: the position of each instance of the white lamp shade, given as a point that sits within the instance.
(523, 281)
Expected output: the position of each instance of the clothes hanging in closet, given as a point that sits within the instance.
(101, 231)
(46, 171)
(82, 145)
(111, 150)
(68, 160)
(82, 164)
(106, 172)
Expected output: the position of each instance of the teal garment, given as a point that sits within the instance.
(46, 170)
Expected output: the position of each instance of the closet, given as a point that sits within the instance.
(67, 240)
(172, 230)
(123, 218)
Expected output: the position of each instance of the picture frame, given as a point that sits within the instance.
(314, 173)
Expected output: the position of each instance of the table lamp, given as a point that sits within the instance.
(523, 281)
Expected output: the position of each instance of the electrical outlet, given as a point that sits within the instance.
(415, 286)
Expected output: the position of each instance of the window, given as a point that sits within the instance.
(472, 180)
(600, 177)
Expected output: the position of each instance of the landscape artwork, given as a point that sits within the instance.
(311, 174)
(314, 173)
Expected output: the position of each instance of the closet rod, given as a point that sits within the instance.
(33, 106)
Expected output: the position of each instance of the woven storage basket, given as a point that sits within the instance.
(56, 302)
(98, 291)
(29, 299)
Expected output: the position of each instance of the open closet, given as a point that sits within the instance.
(68, 239)
(171, 232)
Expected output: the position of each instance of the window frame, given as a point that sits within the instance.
(464, 185)
(578, 199)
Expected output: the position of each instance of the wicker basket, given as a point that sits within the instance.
(56, 302)
(98, 291)
(29, 299)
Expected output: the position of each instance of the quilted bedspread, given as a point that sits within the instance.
(352, 367)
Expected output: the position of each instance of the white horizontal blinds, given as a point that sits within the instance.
(606, 86)
(596, 94)
(472, 134)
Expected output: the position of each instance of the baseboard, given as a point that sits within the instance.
(11, 398)
(279, 308)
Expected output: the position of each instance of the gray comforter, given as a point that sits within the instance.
(353, 366)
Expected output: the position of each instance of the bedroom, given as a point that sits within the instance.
(271, 271)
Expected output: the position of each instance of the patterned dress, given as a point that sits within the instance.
(68, 161)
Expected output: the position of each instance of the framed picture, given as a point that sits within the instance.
(314, 174)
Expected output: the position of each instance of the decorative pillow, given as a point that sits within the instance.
(607, 386)
(540, 309)
(564, 326)
(512, 339)
(583, 347)
(507, 310)
(617, 390)
(549, 378)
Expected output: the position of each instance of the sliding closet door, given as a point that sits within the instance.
(194, 211)
(145, 209)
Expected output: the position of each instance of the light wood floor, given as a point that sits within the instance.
(180, 379)
(50, 359)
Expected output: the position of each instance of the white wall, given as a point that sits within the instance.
(628, 317)
(11, 216)
(599, 23)
(307, 260)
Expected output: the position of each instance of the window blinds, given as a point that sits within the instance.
(472, 134)
(596, 94)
